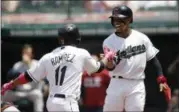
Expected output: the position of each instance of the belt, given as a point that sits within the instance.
(60, 95)
(119, 77)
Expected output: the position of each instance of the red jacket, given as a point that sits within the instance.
(94, 88)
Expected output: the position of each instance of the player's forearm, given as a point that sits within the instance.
(102, 65)
(157, 66)
(161, 78)
(19, 81)
(23, 78)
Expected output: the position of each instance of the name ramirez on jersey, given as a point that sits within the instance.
(66, 57)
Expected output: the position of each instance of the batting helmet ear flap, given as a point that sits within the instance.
(112, 21)
(131, 20)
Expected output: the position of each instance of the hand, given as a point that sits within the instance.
(101, 56)
(164, 87)
(109, 54)
(6, 86)
(167, 91)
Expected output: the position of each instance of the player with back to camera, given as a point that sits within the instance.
(126, 90)
(63, 68)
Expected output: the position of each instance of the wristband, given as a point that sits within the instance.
(161, 79)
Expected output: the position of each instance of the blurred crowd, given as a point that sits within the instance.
(32, 92)
(98, 6)
(173, 69)
(32, 96)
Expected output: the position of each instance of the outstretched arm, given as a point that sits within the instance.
(36, 73)
(93, 66)
(158, 68)
(162, 81)
(23, 78)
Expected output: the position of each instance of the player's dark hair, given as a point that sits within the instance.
(25, 46)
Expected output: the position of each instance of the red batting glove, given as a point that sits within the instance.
(167, 90)
(109, 54)
(6, 86)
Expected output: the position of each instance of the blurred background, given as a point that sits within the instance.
(33, 24)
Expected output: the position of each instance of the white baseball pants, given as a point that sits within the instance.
(125, 94)
(57, 104)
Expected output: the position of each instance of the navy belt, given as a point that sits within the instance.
(60, 95)
(119, 77)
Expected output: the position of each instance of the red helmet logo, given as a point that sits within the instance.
(115, 11)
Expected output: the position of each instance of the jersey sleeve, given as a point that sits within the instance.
(90, 64)
(106, 44)
(38, 71)
(151, 51)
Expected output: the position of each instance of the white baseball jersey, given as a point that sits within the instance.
(63, 68)
(135, 51)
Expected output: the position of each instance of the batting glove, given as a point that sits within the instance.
(164, 87)
(7, 86)
(109, 54)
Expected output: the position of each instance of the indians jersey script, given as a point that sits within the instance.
(63, 68)
(135, 51)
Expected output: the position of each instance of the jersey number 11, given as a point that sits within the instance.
(63, 70)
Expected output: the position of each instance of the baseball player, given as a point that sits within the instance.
(126, 90)
(63, 68)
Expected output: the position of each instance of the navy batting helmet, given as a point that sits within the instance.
(122, 12)
(69, 33)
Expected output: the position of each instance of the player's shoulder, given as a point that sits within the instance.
(109, 38)
(139, 34)
(46, 57)
(35, 61)
(83, 51)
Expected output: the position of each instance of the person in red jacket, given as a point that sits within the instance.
(94, 90)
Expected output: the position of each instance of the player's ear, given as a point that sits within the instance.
(129, 20)
(61, 41)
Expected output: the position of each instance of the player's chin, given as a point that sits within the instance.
(119, 30)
